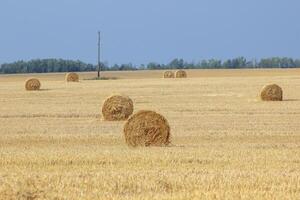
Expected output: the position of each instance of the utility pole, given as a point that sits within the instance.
(99, 48)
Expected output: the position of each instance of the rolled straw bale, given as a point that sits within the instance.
(169, 74)
(72, 77)
(117, 108)
(271, 93)
(32, 84)
(147, 128)
(180, 74)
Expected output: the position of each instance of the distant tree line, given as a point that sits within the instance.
(45, 66)
(236, 63)
(60, 65)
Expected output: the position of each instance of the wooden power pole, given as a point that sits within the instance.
(99, 58)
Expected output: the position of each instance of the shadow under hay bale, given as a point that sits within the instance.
(271, 93)
(169, 74)
(32, 84)
(147, 128)
(72, 77)
(181, 74)
(117, 108)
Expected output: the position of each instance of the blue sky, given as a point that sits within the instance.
(141, 31)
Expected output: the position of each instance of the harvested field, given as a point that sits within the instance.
(226, 142)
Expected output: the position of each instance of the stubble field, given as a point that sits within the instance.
(227, 144)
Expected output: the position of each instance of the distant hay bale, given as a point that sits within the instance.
(147, 128)
(32, 84)
(271, 93)
(169, 74)
(117, 108)
(72, 77)
(180, 74)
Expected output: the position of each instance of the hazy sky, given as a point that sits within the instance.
(140, 31)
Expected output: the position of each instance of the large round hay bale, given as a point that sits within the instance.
(72, 77)
(180, 74)
(271, 93)
(117, 108)
(32, 84)
(169, 74)
(147, 128)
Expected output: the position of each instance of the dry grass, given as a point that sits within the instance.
(153, 74)
(228, 144)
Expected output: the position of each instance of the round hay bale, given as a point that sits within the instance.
(117, 108)
(32, 84)
(147, 128)
(169, 74)
(180, 74)
(72, 77)
(271, 93)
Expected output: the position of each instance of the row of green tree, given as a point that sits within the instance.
(45, 66)
(60, 65)
(236, 63)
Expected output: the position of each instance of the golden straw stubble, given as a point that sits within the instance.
(32, 84)
(72, 77)
(271, 93)
(147, 128)
(180, 74)
(117, 108)
(169, 74)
